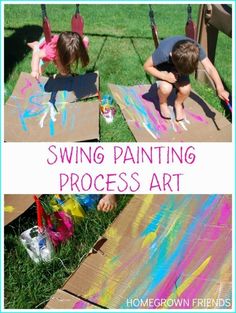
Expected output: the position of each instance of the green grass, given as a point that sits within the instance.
(120, 42)
(28, 284)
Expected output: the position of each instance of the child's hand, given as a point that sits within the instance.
(223, 94)
(35, 74)
(171, 78)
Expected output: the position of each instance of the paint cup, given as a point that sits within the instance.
(107, 108)
(37, 244)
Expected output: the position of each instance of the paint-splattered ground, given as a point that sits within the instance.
(162, 252)
(141, 109)
(29, 117)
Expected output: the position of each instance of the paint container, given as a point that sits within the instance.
(107, 100)
(37, 244)
(88, 202)
(107, 108)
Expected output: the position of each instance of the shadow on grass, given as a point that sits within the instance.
(15, 46)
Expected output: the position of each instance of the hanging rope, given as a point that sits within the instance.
(153, 27)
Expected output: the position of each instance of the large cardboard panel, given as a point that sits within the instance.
(141, 109)
(161, 247)
(64, 300)
(16, 205)
(28, 106)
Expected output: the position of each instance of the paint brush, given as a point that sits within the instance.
(228, 104)
(40, 84)
(39, 210)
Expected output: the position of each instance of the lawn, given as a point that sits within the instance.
(120, 42)
(29, 285)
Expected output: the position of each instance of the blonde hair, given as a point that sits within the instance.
(71, 50)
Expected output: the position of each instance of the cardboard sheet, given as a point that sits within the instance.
(28, 106)
(141, 109)
(161, 247)
(16, 205)
(64, 300)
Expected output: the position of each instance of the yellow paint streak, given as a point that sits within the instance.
(108, 287)
(112, 232)
(189, 280)
(141, 214)
(139, 117)
(9, 208)
(149, 239)
(116, 96)
(108, 294)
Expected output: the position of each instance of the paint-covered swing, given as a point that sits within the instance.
(28, 115)
(141, 108)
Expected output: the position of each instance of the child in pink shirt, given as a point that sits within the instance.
(65, 50)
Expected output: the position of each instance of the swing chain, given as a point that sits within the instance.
(151, 15)
(189, 10)
(77, 9)
(44, 12)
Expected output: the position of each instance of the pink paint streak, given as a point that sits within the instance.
(79, 305)
(205, 246)
(225, 214)
(197, 117)
(27, 86)
(137, 124)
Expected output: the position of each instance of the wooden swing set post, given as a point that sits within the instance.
(212, 18)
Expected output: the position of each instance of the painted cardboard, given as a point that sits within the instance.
(161, 247)
(16, 205)
(64, 300)
(28, 104)
(141, 109)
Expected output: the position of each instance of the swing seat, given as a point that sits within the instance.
(77, 24)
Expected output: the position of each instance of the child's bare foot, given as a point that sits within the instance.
(33, 44)
(165, 112)
(179, 112)
(107, 203)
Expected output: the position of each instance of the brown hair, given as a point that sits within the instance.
(71, 49)
(185, 55)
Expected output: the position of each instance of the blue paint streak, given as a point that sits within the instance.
(52, 129)
(159, 263)
(21, 117)
(153, 225)
(65, 93)
(29, 113)
(133, 100)
(163, 264)
(64, 117)
(23, 123)
(32, 101)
